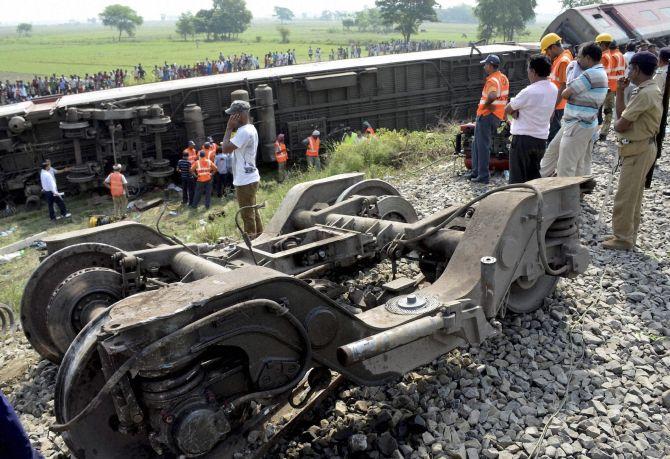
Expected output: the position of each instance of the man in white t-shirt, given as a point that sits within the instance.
(245, 173)
(531, 111)
(50, 190)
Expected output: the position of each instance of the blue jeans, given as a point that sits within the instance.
(200, 189)
(485, 127)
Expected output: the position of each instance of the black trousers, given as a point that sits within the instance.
(187, 189)
(55, 198)
(222, 183)
(555, 124)
(524, 158)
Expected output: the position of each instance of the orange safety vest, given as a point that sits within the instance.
(371, 132)
(313, 147)
(116, 184)
(558, 74)
(192, 154)
(619, 64)
(608, 63)
(204, 170)
(280, 152)
(210, 152)
(499, 83)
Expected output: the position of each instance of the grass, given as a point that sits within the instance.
(85, 48)
(392, 153)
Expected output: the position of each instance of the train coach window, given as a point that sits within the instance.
(666, 12)
(648, 14)
(600, 20)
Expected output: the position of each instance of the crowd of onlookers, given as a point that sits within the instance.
(22, 90)
(39, 86)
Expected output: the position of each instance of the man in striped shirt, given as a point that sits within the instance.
(569, 153)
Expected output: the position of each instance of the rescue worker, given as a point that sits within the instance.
(203, 169)
(281, 155)
(187, 182)
(192, 152)
(605, 114)
(368, 131)
(661, 74)
(246, 178)
(50, 190)
(490, 112)
(210, 149)
(313, 144)
(637, 126)
(551, 45)
(117, 185)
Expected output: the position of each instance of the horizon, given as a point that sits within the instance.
(33, 11)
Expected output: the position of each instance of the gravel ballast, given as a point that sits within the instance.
(586, 376)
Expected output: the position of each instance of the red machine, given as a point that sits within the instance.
(499, 160)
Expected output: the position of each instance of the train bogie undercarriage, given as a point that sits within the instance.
(171, 349)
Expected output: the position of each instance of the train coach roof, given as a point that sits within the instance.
(625, 21)
(251, 76)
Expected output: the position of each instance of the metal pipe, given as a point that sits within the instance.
(266, 116)
(374, 345)
(77, 151)
(159, 146)
(488, 283)
(185, 262)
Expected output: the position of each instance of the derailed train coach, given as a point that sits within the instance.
(144, 127)
(627, 21)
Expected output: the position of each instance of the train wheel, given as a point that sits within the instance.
(81, 297)
(526, 297)
(79, 380)
(373, 187)
(44, 281)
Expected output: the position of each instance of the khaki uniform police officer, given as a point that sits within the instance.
(636, 128)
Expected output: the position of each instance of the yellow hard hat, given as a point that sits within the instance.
(604, 37)
(548, 40)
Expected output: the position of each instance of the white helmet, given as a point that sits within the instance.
(316, 133)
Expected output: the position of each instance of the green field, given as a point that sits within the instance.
(80, 49)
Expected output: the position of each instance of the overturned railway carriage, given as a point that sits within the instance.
(145, 126)
(627, 21)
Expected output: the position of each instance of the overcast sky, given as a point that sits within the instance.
(49, 11)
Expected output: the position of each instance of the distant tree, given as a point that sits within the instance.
(283, 14)
(326, 15)
(508, 22)
(121, 17)
(284, 32)
(370, 19)
(461, 14)
(348, 23)
(202, 23)
(163, 17)
(92, 20)
(577, 3)
(230, 18)
(407, 15)
(516, 14)
(186, 25)
(24, 29)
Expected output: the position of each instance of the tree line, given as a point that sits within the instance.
(228, 18)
